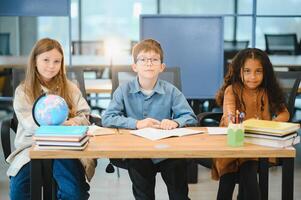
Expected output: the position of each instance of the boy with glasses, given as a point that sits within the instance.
(150, 102)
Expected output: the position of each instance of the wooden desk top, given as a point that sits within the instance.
(125, 145)
(98, 86)
(286, 60)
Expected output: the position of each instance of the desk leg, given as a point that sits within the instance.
(49, 192)
(288, 179)
(36, 179)
(264, 178)
(192, 172)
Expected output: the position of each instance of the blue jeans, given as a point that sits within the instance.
(69, 175)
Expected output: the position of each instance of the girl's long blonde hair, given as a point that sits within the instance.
(33, 80)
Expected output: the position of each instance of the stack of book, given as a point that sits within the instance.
(61, 137)
(271, 133)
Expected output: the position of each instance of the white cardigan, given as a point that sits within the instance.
(27, 126)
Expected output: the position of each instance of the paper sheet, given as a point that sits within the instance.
(217, 130)
(98, 130)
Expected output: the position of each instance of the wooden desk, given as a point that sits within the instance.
(98, 86)
(291, 62)
(284, 62)
(77, 61)
(195, 146)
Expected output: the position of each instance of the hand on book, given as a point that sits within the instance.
(165, 124)
(147, 123)
(168, 124)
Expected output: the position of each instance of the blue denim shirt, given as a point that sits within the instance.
(129, 104)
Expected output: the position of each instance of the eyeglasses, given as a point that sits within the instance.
(144, 61)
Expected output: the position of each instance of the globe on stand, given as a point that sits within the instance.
(50, 109)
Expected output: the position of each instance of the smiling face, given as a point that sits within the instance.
(49, 64)
(148, 65)
(252, 73)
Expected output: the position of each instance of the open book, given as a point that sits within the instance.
(270, 127)
(157, 134)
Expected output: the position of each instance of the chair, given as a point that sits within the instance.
(6, 91)
(77, 76)
(282, 44)
(4, 43)
(290, 82)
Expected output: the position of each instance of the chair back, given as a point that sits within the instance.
(4, 43)
(11, 124)
(76, 75)
(289, 81)
(282, 44)
(87, 48)
(124, 74)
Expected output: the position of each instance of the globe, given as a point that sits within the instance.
(50, 109)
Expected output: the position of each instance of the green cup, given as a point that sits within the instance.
(235, 135)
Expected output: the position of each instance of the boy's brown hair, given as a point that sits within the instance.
(146, 46)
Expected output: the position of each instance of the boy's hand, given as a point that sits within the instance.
(168, 124)
(148, 122)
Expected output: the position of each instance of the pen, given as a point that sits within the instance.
(241, 117)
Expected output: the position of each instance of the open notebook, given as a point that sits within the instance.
(157, 134)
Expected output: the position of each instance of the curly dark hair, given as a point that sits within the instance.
(269, 83)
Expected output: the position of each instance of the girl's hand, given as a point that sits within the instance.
(168, 124)
(69, 123)
(148, 122)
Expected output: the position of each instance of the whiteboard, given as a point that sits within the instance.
(193, 43)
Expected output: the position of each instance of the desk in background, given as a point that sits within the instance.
(284, 62)
(77, 61)
(293, 61)
(98, 86)
(289, 62)
(120, 145)
(86, 62)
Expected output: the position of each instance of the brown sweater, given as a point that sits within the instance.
(253, 100)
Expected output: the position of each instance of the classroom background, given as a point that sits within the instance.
(98, 35)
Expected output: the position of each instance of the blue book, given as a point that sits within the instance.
(66, 133)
